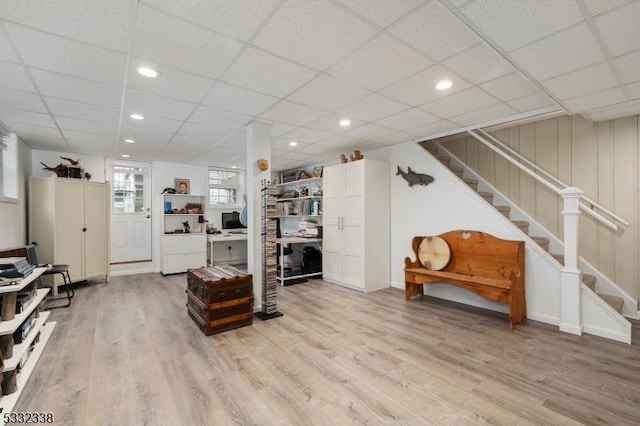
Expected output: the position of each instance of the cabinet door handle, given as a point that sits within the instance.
(84, 229)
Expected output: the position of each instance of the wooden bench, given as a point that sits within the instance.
(480, 262)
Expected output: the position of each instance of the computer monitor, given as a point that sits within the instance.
(231, 221)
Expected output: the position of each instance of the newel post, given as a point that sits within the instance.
(570, 285)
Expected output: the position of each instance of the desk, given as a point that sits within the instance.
(239, 255)
(294, 240)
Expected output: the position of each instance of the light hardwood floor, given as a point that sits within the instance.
(126, 353)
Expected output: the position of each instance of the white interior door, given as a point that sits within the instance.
(130, 211)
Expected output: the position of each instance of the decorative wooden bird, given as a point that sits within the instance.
(87, 176)
(72, 161)
(60, 169)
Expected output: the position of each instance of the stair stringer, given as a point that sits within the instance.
(604, 284)
(598, 318)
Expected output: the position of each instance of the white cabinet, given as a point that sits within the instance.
(182, 250)
(69, 222)
(356, 225)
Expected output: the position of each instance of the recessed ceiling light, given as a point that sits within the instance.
(137, 116)
(345, 122)
(147, 72)
(125, 156)
(234, 167)
(293, 143)
(444, 84)
(129, 141)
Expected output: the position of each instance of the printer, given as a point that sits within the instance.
(15, 267)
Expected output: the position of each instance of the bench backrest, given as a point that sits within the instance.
(477, 253)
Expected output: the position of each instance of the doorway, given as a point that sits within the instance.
(130, 211)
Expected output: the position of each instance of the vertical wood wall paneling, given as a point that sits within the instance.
(546, 156)
(606, 239)
(527, 183)
(513, 141)
(486, 163)
(501, 166)
(585, 176)
(471, 153)
(625, 198)
(565, 144)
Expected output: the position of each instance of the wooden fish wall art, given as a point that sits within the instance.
(414, 178)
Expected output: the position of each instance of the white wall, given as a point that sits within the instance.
(448, 204)
(93, 164)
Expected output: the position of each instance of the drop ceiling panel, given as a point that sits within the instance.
(479, 64)
(634, 90)
(266, 73)
(37, 133)
(171, 83)
(408, 119)
(149, 104)
(152, 122)
(432, 128)
(421, 87)
(595, 100)
(76, 89)
(578, 83)
(620, 29)
(93, 148)
(313, 33)
(43, 142)
(179, 44)
(382, 12)
(292, 113)
(317, 149)
(218, 118)
(518, 22)
(304, 135)
(328, 93)
(460, 103)
(98, 22)
(237, 18)
(236, 99)
(629, 66)
(509, 87)
(236, 138)
(6, 51)
(531, 102)
(230, 146)
(73, 135)
(84, 111)
(567, 51)
(369, 131)
(87, 126)
(12, 116)
(339, 141)
(279, 129)
(214, 134)
(379, 63)
(597, 7)
(393, 138)
(432, 22)
(331, 123)
(373, 107)
(145, 136)
(624, 109)
(20, 101)
(483, 116)
(14, 76)
(200, 142)
(49, 52)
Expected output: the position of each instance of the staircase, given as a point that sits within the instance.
(588, 280)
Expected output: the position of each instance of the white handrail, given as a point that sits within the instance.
(543, 181)
(592, 203)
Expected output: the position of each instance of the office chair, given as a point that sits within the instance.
(62, 270)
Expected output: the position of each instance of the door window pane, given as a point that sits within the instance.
(128, 191)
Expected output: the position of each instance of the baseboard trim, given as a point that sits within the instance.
(571, 328)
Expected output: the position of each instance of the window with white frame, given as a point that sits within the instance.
(8, 166)
(225, 186)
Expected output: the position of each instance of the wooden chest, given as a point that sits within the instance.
(219, 298)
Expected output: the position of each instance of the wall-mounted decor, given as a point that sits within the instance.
(181, 185)
(414, 178)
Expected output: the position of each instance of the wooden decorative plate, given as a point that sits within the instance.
(434, 253)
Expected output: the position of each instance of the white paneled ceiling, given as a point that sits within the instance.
(69, 80)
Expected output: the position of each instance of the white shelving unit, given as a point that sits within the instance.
(181, 251)
(306, 206)
(42, 328)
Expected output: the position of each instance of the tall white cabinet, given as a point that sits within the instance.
(69, 221)
(355, 250)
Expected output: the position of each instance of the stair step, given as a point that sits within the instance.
(444, 160)
(433, 150)
(542, 242)
(487, 196)
(589, 281)
(458, 171)
(473, 183)
(558, 257)
(505, 210)
(614, 301)
(522, 224)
